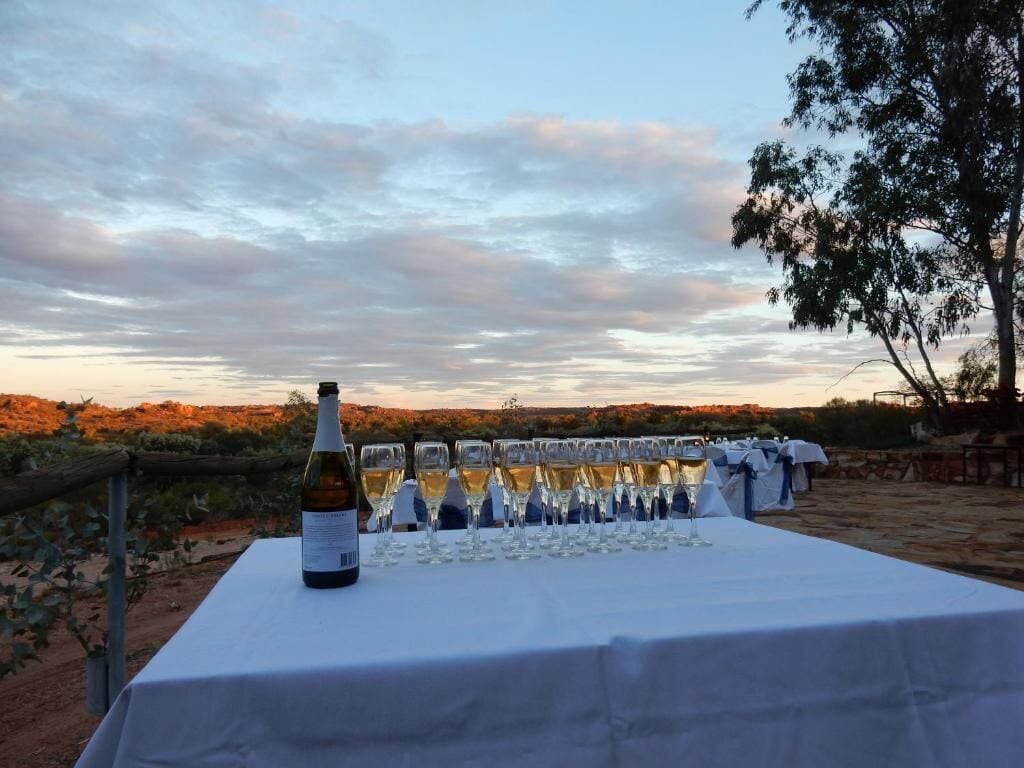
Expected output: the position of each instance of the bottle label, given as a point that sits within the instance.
(330, 540)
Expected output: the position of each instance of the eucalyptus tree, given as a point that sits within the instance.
(918, 233)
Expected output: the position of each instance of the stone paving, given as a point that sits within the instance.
(973, 530)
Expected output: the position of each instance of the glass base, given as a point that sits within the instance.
(379, 561)
(522, 554)
(434, 557)
(651, 545)
(566, 552)
(476, 555)
(696, 541)
(607, 546)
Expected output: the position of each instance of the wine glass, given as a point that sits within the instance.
(506, 508)
(668, 480)
(693, 463)
(585, 493)
(558, 459)
(376, 465)
(627, 482)
(473, 466)
(397, 478)
(545, 537)
(645, 458)
(430, 462)
(599, 461)
(517, 465)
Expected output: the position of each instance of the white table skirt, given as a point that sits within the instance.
(766, 649)
(804, 452)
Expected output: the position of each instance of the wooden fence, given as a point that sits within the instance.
(27, 489)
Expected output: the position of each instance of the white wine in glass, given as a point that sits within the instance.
(430, 462)
(645, 460)
(558, 459)
(376, 465)
(693, 462)
(517, 465)
(599, 461)
(473, 466)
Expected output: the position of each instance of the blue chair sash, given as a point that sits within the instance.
(419, 506)
(449, 517)
(452, 518)
(749, 476)
(787, 478)
(533, 513)
(681, 502)
(487, 513)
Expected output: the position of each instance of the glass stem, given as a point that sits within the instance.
(648, 514)
(474, 516)
(670, 494)
(563, 508)
(520, 512)
(617, 507)
(691, 497)
(434, 519)
(601, 502)
(381, 536)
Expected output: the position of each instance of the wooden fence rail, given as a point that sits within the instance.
(36, 486)
(106, 676)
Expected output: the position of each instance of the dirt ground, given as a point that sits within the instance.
(978, 531)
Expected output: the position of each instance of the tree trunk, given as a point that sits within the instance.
(999, 275)
(938, 417)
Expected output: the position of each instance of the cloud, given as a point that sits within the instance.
(177, 198)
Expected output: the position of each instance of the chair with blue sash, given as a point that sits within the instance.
(720, 460)
(769, 448)
(774, 488)
(739, 491)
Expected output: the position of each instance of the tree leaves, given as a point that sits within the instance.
(907, 237)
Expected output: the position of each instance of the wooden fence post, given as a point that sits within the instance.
(117, 509)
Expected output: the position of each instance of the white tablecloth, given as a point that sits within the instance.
(803, 452)
(766, 649)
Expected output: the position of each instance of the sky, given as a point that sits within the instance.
(437, 204)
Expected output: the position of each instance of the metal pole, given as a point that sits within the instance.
(117, 508)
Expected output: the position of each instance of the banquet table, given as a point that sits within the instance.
(768, 648)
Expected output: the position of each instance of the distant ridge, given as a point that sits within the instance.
(35, 416)
(30, 415)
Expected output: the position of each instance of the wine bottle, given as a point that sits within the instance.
(330, 526)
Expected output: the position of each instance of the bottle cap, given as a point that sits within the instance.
(327, 388)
